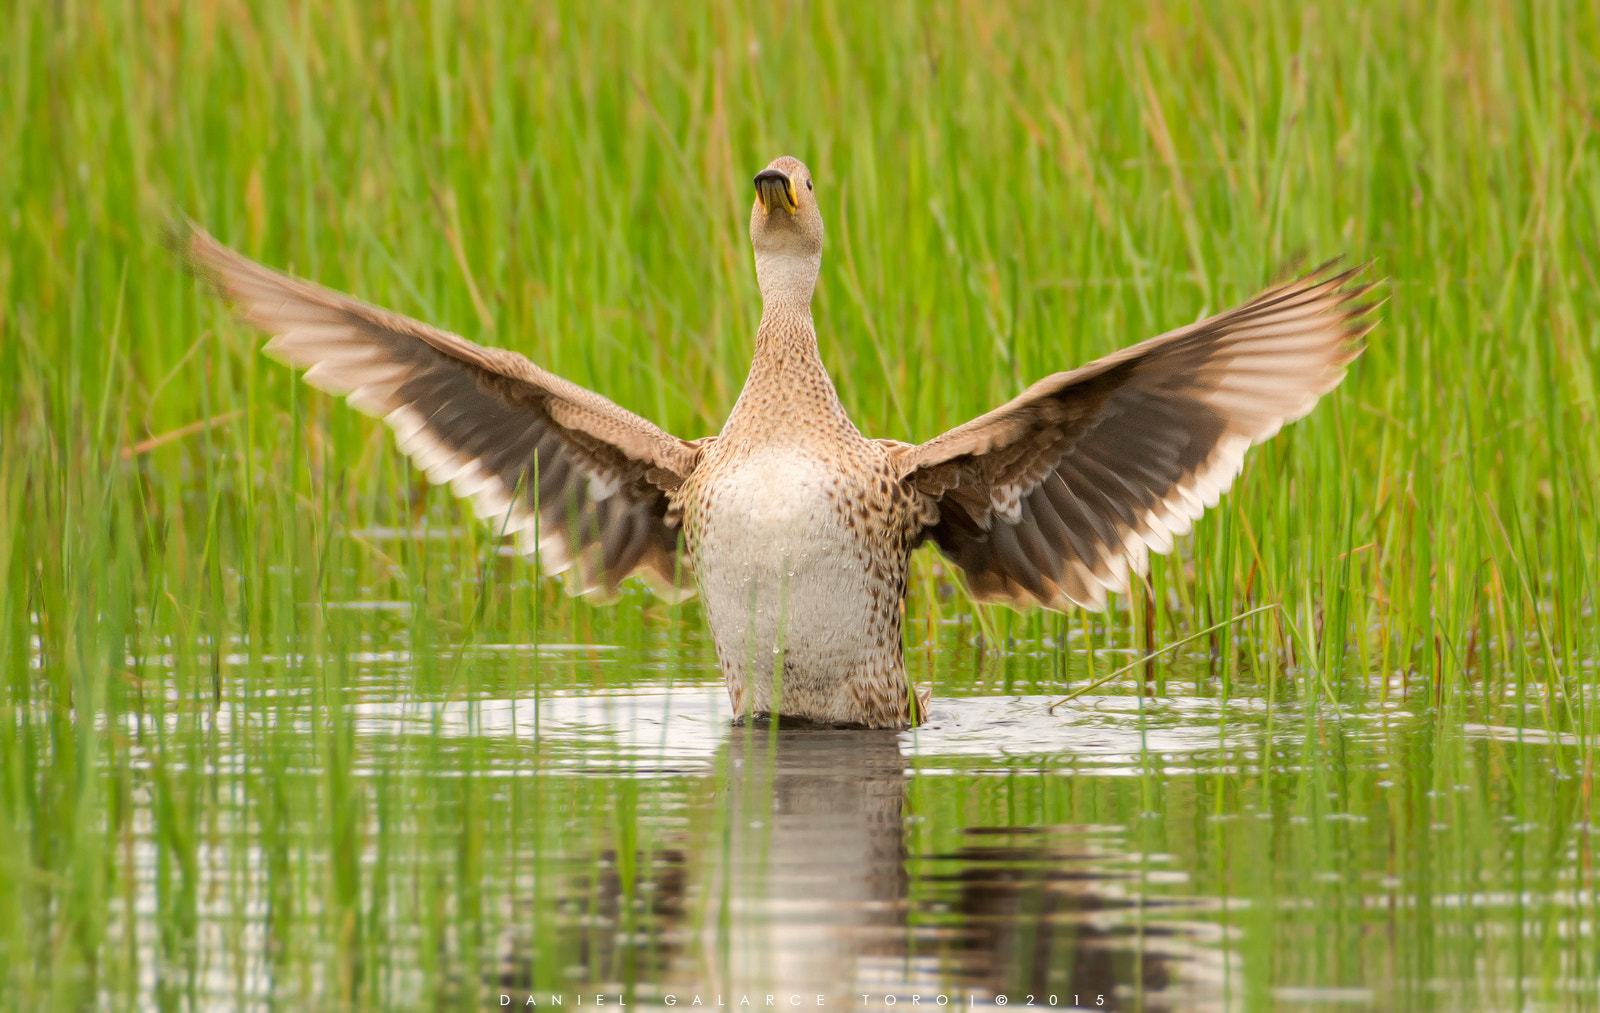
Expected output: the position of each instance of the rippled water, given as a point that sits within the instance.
(371, 841)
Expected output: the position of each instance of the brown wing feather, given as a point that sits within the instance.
(1059, 495)
(537, 454)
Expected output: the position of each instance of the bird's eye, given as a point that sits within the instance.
(809, 186)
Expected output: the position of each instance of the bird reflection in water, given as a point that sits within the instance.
(1042, 913)
(796, 882)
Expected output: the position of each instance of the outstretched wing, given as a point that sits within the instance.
(1057, 496)
(536, 454)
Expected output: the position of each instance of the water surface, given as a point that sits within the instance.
(582, 820)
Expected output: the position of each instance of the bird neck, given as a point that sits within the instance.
(788, 395)
(787, 277)
(786, 338)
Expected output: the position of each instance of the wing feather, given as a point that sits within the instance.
(582, 482)
(1059, 495)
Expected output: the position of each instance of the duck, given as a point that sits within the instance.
(795, 528)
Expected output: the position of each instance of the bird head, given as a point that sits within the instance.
(786, 229)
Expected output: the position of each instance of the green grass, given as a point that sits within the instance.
(1007, 192)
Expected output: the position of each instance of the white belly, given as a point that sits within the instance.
(785, 580)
